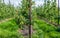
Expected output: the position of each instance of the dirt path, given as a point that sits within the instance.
(47, 21)
(25, 31)
(2, 21)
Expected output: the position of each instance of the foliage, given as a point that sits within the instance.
(6, 11)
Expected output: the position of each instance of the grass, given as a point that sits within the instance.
(44, 30)
(9, 30)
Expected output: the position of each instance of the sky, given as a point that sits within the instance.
(15, 2)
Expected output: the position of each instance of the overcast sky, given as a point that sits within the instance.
(15, 2)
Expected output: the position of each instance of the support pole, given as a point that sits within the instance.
(58, 12)
(30, 19)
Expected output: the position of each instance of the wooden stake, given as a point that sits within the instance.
(58, 12)
(30, 19)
